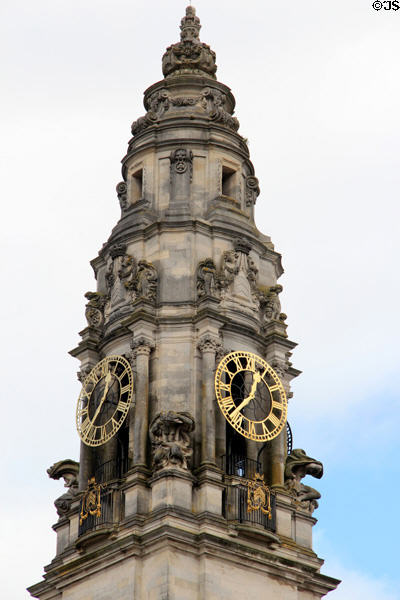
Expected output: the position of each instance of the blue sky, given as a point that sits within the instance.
(317, 91)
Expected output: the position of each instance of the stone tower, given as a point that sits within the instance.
(173, 503)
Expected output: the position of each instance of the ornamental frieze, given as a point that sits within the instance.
(212, 101)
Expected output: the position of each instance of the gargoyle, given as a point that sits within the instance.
(298, 465)
(68, 470)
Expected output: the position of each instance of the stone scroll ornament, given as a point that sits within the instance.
(122, 193)
(170, 438)
(69, 471)
(297, 466)
(252, 190)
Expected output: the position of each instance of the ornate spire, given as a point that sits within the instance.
(189, 56)
(190, 25)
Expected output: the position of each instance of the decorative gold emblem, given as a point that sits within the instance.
(259, 495)
(91, 501)
(104, 401)
(251, 396)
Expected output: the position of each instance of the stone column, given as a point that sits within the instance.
(139, 420)
(278, 445)
(208, 346)
(278, 458)
(85, 466)
(181, 167)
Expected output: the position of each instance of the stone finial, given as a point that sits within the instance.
(190, 55)
(190, 25)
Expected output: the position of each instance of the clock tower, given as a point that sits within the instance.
(187, 485)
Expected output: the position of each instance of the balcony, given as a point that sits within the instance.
(100, 505)
(235, 508)
(105, 520)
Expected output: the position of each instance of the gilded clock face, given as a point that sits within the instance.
(251, 396)
(104, 401)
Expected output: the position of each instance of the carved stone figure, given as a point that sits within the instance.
(206, 278)
(252, 190)
(239, 276)
(271, 304)
(146, 281)
(170, 437)
(298, 465)
(69, 471)
(120, 274)
(122, 195)
(229, 268)
(189, 55)
(128, 281)
(181, 161)
(94, 312)
(252, 274)
(127, 270)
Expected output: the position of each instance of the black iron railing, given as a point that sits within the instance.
(240, 466)
(112, 469)
(106, 517)
(235, 508)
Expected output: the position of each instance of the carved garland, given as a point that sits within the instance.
(210, 100)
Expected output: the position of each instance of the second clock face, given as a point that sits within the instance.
(251, 396)
(104, 401)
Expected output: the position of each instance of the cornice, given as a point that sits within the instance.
(207, 535)
(179, 123)
(130, 234)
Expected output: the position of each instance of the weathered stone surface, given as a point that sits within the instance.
(184, 278)
(298, 465)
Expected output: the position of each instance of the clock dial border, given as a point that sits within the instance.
(259, 431)
(96, 435)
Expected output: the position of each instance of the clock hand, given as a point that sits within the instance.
(256, 380)
(108, 381)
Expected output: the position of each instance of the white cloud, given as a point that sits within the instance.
(357, 585)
